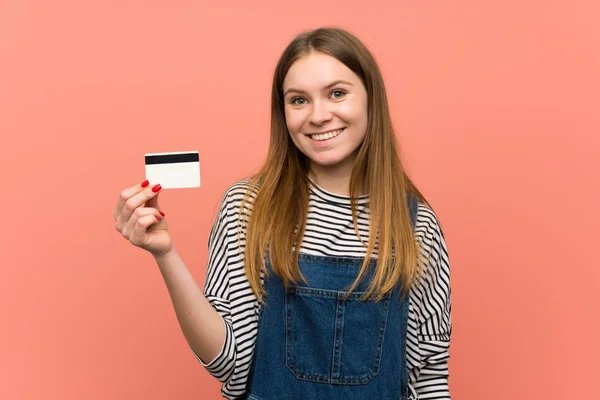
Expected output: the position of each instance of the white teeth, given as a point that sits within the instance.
(326, 136)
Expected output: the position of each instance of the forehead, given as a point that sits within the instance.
(316, 70)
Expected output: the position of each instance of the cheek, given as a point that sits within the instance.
(358, 117)
(294, 121)
(290, 119)
(354, 111)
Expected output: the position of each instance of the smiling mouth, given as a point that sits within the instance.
(326, 136)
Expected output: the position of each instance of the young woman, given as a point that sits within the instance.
(328, 273)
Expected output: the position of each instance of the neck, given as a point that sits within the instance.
(333, 178)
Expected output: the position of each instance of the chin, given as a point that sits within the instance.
(327, 162)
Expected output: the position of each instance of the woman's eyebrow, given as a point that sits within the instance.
(326, 87)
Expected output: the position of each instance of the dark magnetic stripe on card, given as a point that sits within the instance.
(172, 158)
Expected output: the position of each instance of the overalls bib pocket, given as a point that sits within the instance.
(333, 340)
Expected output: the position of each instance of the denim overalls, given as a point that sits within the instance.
(313, 345)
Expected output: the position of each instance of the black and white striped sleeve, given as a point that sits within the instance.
(216, 291)
(433, 311)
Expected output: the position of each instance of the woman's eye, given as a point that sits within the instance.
(338, 91)
(294, 101)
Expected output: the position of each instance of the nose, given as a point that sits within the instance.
(320, 113)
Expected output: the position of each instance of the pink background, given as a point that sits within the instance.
(496, 104)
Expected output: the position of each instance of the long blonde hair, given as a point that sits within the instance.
(280, 190)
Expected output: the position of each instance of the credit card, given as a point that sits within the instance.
(174, 170)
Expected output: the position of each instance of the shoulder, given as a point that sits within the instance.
(432, 245)
(232, 199)
(235, 193)
(429, 235)
(427, 222)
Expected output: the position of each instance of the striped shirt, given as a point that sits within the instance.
(329, 232)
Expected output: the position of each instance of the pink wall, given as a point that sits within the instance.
(497, 107)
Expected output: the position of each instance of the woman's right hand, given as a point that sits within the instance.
(139, 219)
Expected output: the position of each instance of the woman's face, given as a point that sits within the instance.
(325, 109)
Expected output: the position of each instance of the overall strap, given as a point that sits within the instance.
(413, 206)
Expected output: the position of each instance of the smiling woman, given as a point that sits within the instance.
(332, 213)
(328, 275)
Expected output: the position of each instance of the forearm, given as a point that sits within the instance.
(200, 323)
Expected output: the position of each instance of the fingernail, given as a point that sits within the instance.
(145, 183)
(158, 219)
(156, 188)
(162, 213)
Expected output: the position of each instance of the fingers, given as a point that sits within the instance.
(140, 228)
(134, 229)
(126, 194)
(153, 202)
(132, 198)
